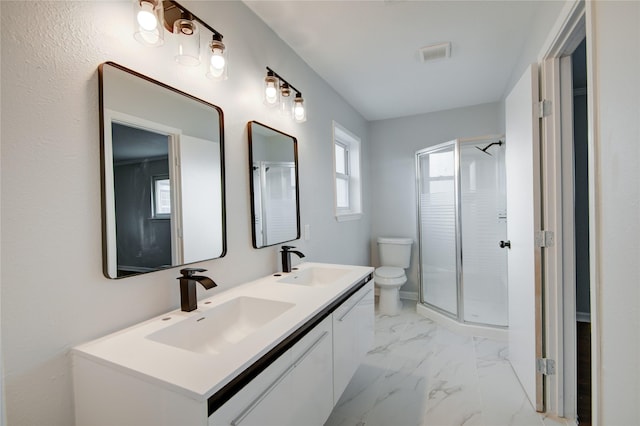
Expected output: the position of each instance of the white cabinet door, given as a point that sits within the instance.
(265, 401)
(312, 377)
(352, 336)
(297, 389)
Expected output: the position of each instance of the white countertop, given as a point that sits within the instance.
(200, 375)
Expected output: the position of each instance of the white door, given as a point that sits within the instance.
(523, 220)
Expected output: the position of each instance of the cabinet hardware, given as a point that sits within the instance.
(310, 349)
(276, 382)
(354, 305)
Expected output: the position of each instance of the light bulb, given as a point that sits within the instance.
(271, 93)
(217, 69)
(217, 60)
(271, 89)
(146, 18)
(299, 112)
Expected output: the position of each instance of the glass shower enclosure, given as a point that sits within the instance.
(461, 220)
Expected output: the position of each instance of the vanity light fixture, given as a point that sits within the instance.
(278, 92)
(285, 99)
(299, 111)
(271, 89)
(148, 16)
(188, 36)
(217, 58)
(151, 15)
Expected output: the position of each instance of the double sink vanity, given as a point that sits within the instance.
(279, 350)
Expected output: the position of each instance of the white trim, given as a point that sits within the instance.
(594, 228)
(409, 295)
(345, 217)
(552, 193)
(353, 143)
(404, 295)
(563, 39)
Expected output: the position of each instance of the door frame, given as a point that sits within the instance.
(573, 24)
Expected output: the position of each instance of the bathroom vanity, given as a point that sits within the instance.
(276, 351)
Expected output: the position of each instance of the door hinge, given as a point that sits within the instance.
(544, 109)
(544, 239)
(545, 366)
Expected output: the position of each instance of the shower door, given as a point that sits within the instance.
(461, 218)
(483, 220)
(438, 239)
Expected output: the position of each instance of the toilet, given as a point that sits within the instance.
(395, 255)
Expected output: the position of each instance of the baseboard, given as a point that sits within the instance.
(583, 316)
(406, 295)
(409, 295)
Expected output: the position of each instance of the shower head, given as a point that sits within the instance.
(499, 143)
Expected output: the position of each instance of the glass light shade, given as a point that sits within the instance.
(188, 37)
(148, 16)
(217, 69)
(271, 92)
(286, 103)
(299, 110)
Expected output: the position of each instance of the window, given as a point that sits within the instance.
(161, 197)
(346, 162)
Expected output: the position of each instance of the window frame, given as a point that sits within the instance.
(154, 196)
(351, 144)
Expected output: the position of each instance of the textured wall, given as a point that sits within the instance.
(615, 40)
(54, 295)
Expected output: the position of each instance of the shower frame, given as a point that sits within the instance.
(459, 316)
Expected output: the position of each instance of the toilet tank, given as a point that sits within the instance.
(395, 251)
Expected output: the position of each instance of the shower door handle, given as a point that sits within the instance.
(506, 244)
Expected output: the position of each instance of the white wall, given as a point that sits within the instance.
(614, 34)
(54, 295)
(394, 143)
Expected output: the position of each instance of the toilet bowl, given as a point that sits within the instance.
(389, 279)
(395, 254)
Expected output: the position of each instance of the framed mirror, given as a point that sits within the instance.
(273, 169)
(163, 195)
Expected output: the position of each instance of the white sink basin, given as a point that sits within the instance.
(221, 326)
(315, 276)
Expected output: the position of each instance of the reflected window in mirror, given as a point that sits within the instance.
(163, 175)
(273, 167)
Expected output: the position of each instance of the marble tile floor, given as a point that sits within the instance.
(420, 373)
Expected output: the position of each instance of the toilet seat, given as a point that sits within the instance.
(389, 275)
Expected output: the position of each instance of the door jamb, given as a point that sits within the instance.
(573, 24)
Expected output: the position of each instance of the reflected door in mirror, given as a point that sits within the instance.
(274, 186)
(163, 183)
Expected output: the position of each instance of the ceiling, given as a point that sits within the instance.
(368, 50)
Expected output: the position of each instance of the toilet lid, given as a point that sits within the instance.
(389, 272)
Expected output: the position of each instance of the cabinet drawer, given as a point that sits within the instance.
(302, 374)
(261, 402)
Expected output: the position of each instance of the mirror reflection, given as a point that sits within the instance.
(273, 161)
(163, 183)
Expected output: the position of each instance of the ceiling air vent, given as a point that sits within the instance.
(435, 51)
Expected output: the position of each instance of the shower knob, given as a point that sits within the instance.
(506, 244)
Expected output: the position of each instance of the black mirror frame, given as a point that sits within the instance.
(251, 195)
(105, 266)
